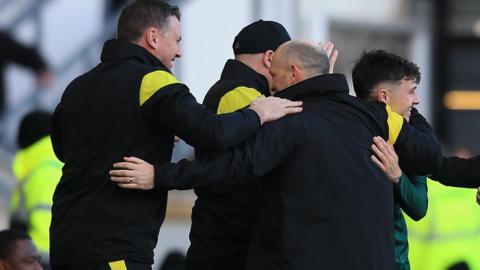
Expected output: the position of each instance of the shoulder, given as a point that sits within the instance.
(230, 95)
(220, 88)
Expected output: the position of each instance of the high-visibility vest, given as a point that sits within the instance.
(449, 233)
(38, 172)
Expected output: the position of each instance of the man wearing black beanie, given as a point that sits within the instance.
(222, 218)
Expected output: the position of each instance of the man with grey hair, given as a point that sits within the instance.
(324, 203)
(300, 60)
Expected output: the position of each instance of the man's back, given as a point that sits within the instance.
(324, 203)
(98, 121)
(327, 206)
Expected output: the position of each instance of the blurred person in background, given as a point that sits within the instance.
(448, 237)
(17, 251)
(11, 51)
(38, 172)
(131, 104)
(388, 78)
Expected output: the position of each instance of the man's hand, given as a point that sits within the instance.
(332, 53)
(133, 173)
(478, 196)
(273, 108)
(386, 158)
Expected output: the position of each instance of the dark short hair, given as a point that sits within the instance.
(8, 239)
(379, 66)
(140, 14)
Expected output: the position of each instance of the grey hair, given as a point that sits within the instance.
(310, 57)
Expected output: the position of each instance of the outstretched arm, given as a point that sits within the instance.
(251, 160)
(459, 172)
(417, 147)
(175, 109)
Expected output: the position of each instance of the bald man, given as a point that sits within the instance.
(324, 203)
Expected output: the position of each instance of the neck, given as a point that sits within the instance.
(142, 43)
(254, 61)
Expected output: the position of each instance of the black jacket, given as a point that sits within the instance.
(222, 218)
(128, 105)
(459, 172)
(325, 204)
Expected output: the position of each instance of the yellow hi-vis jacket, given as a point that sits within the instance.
(449, 233)
(37, 171)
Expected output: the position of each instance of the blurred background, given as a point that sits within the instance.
(441, 36)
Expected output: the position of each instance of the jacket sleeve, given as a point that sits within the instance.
(21, 54)
(262, 153)
(172, 106)
(459, 172)
(411, 195)
(417, 147)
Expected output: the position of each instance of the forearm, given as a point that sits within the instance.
(177, 110)
(411, 194)
(459, 172)
(23, 55)
(250, 160)
(209, 131)
(417, 147)
(195, 174)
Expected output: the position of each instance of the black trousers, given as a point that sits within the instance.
(118, 265)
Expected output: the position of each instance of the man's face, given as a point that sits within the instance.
(403, 96)
(169, 43)
(24, 256)
(280, 73)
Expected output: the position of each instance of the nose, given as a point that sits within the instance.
(179, 53)
(416, 99)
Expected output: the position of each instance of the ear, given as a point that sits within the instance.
(267, 58)
(152, 36)
(296, 73)
(382, 95)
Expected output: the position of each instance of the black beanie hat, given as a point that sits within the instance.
(34, 126)
(259, 37)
